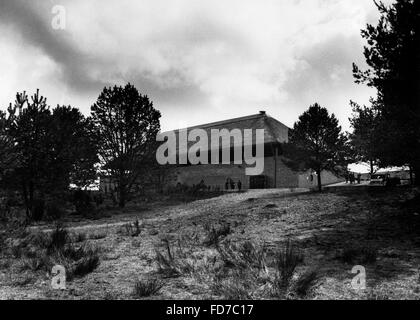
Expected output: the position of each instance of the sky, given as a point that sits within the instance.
(199, 61)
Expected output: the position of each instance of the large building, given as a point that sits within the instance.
(276, 173)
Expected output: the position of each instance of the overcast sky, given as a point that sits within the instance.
(197, 60)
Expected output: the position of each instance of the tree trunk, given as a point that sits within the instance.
(26, 199)
(31, 198)
(318, 173)
(371, 167)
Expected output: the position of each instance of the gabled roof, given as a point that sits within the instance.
(274, 130)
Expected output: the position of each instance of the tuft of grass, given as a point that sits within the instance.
(58, 239)
(17, 251)
(146, 288)
(97, 236)
(244, 256)
(215, 234)
(305, 282)
(5, 264)
(39, 252)
(235, 287)
(271, 206)
(79, 237)
(286, 261)
(25, 280)
(173, 262)
(88, 263)
(35, 263)
(377, 295)
(131, 229)
(243, 270)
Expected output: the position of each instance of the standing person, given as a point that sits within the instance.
(232, 184)
(351, 178)
(227, 184)
(346, 176)
(239, 185)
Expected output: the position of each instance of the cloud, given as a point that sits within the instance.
(198, 61)
(32, 27)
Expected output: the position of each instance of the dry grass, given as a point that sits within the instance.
(146, 288)
(173, 261)
(214, 234)
(242, 252)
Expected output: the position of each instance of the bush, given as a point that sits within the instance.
(98, 198)
(54, 210)
(83, 203)
(38, 209)
(146, 288)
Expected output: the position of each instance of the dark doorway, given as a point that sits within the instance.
(258, 182)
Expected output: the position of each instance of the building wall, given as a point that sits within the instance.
(216, 175)
(327, 178)
(212, 175)
(285, 177)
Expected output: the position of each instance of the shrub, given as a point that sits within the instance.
(54, 210)
(38, 209)
(83, 203)
(98, 198)
(146, 288)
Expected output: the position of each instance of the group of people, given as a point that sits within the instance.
(230, 183)
(352, 178)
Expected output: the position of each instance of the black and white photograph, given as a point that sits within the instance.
(174, 151)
